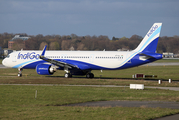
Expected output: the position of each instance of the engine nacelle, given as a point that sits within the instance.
(45, 69)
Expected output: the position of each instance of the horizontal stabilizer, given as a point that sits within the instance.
(150, 55)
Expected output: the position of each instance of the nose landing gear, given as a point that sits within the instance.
(20, 72)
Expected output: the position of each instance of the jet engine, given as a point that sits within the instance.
(45, 69)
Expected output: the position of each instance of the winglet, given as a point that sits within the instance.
(43, 52)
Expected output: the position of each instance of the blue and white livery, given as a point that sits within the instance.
(83, 62)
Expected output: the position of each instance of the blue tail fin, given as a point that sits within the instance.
(150, 41)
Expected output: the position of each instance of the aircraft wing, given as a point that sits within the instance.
(55, 62)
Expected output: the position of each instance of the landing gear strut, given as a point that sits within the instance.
(20, 72)
(67, 74)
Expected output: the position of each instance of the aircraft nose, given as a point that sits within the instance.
(4, 62)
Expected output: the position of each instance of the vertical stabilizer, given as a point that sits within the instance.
(150, 41)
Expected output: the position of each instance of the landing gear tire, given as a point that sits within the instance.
(67, 75)
(20, 72)
(90, 75)
(19, 75)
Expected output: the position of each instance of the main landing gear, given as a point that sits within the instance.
(68, 75)
(20, 72)
(89, 75)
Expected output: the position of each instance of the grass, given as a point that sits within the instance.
(162, 72)
(18, 102)
(1, 61)
(116, 77)
(167, 61)
(87, 113)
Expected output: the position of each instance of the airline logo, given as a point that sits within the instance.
(152, 30)
(28, 55)
(43, 68)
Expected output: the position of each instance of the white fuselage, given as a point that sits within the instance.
(104, 59)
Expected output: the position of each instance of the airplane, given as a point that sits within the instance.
(83, 62)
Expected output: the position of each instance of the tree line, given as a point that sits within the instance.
(97, 43)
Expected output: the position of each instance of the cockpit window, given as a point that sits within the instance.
(8, 56)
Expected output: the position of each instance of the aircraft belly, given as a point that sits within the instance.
(28, 64)
(108, 64)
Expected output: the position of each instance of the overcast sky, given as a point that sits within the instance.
(117, 18)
